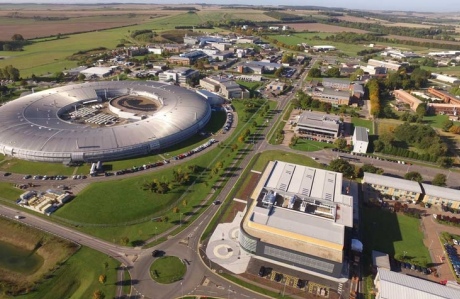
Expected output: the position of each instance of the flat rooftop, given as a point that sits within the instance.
(319, 120)
(388, 181)
(303, 200)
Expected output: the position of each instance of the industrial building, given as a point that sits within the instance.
(333, 96)
(394, 285)
(360, 140)
(98, 71)
(300, 216)
(445, 78)
(50, 125)
(336, 83)
(227, 87)
(392, 66)
(319, 123)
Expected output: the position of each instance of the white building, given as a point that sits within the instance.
(447, 79)
(360, 140)
(98, 71)
(393, 285)
(323, 48)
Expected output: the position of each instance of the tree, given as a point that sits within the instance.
(102, 278)
(445, 162)
(98, 295)
(414, 176)
(314, 73)
(333, 72)
(340, 143)
(340, 165)
(17, 37)
(124, 241)
(439, 180)
(421, 109)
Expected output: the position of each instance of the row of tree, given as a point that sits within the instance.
(373, 89)
(9, 73)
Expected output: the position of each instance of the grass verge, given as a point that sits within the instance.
(254, 288)
(167, 269)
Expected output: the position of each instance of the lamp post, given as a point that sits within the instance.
(156, 233)
(228, 297)
(404, 255)
(180, 219)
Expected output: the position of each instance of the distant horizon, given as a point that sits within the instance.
(426, 6)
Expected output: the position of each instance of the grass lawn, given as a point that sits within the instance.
(311, 145)
(42, 168)
(8, 191)
(167, 269)
(360, 122)
(78, 277)
(126, 200)
(267, 156)
(130, 211)
(436, 121)
(298, 38)
(394, 234)
(386, 125)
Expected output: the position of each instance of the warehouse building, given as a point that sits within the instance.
(393, 285)
(300, 216)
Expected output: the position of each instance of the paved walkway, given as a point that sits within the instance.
(224, 249)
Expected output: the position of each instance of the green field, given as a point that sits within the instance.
(297, 38)
(48, 57)
(78, 277)
(267, 156)
(128, 208)
(436, 121)
(386, 125)
(41, 168)
(311, 145)
(394, 234)
(8, 191)
(360, 122)
(167, 269)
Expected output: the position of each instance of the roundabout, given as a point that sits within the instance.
(167, 269)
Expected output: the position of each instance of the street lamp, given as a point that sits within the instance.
(156, 233)
(228, 297)
(180, 220)
(404, 255)
(182, 289)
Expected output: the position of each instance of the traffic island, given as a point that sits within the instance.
(167, 269)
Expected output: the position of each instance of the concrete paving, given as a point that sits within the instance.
(224, 249)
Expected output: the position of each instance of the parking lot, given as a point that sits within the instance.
(289, 281)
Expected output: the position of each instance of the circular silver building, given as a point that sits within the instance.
(100, 121)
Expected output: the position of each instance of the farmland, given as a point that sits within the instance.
(317, 27)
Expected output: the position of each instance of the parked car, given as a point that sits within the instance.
(7, 174)
(155, 253)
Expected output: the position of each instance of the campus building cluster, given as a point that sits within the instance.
(300, 216)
